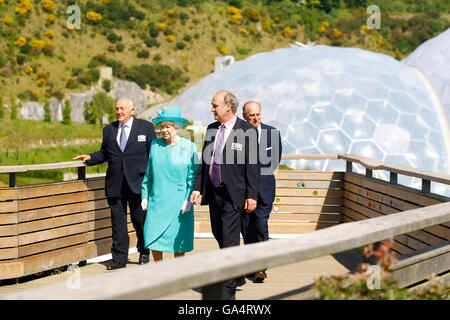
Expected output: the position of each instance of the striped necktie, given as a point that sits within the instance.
(123, 138)
(216, 172)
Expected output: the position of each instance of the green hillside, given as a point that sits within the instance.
(171, 44)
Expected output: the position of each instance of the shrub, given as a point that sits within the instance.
(7, 20)
(94, 17)
(287, 32)
(67, 113)
(106, 85)
(120, 47)
(21, 59)
(113, 38)
(170, 38)
(96, 61)
(222, 49)
(181, 45)
(251, 14)
(236, 18)
(51, 18)
(48, 5)
(20, 41)
(354, 286)
(47, 114)
(144, 54)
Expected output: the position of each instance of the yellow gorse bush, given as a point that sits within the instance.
(170, 38)
(28, 70)
(7, 20)
(222, 49)
(48, 5)
(232, 10)
(49, 34)
(364, 29)
(20, 41)
(236, 18)
(335, 34)
(51, 18)
(287, 32)
(161, 26)
(37, 43)
(243, 31)
(93, 16)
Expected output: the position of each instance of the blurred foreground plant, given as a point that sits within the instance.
(358, 286)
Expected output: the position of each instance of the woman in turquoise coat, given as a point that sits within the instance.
(167, 186)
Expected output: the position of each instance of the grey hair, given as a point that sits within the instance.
(175, 124)
(248, 102)
(231, 99)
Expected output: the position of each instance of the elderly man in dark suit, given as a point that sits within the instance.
(255, 224)
(228, 176)
(125, 146)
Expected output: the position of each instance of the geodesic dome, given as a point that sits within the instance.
(328, 100)
(432, 58)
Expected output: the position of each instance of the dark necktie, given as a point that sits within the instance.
(123, 138)
(216, 173)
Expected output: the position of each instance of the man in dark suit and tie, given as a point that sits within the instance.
(228, 176)
(125, 146)
(254, 225)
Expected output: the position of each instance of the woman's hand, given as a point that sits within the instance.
(186, 206)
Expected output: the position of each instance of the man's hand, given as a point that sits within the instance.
(250, 205)
(84, 157)
(144, 204)
(195, 197)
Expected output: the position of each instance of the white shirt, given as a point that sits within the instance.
(259, 131)
(128, 124)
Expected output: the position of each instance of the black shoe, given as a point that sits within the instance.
(239, 282)
(251, 276)
(144, 258)
(116, 265)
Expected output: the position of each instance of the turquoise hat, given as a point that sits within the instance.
(171, 114)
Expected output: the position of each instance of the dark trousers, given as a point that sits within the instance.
(254, 225)
(121, 240)
(225, 226)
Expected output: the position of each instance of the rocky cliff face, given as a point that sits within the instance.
(120, 88)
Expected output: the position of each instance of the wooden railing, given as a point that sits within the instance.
(49, 225)
(207, 270)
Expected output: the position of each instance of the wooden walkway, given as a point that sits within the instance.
(288, 278)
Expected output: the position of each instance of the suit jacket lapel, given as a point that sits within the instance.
(115, 130)
(133, 133)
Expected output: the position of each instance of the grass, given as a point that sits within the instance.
(25, 134)
(46, 155)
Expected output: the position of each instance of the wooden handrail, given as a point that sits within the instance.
(373, 164)
(205, 269)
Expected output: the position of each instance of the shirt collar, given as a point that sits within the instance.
(230, 124)
(129, 123)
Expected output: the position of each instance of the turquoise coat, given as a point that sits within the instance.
(168, 181)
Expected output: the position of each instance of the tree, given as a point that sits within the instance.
(67, 113)
(47, 114)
